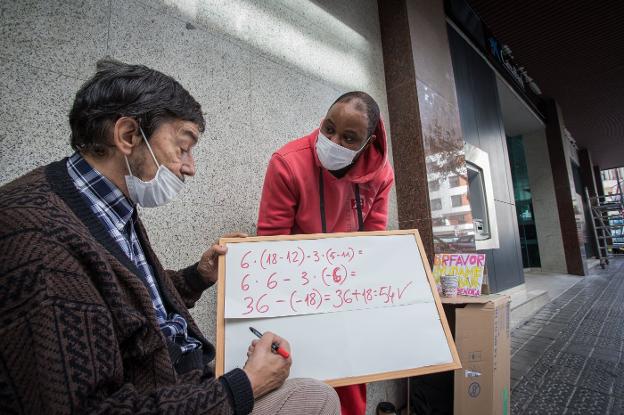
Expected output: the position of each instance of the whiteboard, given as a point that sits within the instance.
(355, 307)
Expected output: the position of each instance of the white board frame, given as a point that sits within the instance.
(373, 377)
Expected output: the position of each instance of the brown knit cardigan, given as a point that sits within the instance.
(78, 331)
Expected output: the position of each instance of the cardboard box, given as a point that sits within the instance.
(480, 326)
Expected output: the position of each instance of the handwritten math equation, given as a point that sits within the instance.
(295, 279)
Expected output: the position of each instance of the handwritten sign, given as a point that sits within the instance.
(336, 298)
(468, 267)
(280, 278)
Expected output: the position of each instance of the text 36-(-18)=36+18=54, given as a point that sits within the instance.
(313, 300)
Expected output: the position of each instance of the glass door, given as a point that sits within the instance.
(524, 205)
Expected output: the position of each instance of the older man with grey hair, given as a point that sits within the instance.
(90, 319)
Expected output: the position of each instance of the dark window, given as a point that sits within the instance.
(456, 200)
(434, 185)
(436, 204)
(438, 222)
(454, 181)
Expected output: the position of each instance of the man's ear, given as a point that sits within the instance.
(126, 135)
(371, 140)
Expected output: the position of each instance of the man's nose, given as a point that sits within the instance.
(334, 139)
(188, 167)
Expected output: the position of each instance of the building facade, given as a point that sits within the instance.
(452, 85)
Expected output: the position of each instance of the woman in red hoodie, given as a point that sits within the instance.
(335, 179)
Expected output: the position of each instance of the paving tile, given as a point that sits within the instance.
(517, 343)
(565, 375)
(613, 331)
(593, 328)
(524, 333)
(579, 349)
(521, 336)
(552, 399)
(563, 319)
(533, 327)
(540, 369)
(584, 339)
(573, 361)
(618, 406)
(599, 315)
(550, 354)
(523, 360)
(534, 346)
(588, 402)
(617, 314)
(549, 336)
(618, 387)
(607, 354)
(518, 373)
(522, 395)
(559, 344)
(549, 333)
(598, 376)
(557, 325)
(538, 340)
(523, 365)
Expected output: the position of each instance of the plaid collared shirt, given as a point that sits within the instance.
(116, 212)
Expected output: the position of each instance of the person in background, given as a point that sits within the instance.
(335, 179)
(91, 321)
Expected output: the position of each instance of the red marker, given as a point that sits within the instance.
(274, 346)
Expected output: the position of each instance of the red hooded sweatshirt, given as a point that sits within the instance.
(290, 201)
(291, 204)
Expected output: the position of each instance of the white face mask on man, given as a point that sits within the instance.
(334, 156)
(162, 189)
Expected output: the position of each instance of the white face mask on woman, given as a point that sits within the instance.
(162, 189)
(334, 156)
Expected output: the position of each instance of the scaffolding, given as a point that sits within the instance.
(607, 222)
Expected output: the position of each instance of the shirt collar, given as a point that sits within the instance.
(99, 188)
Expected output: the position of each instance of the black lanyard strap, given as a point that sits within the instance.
(358, 204)
(322, 197)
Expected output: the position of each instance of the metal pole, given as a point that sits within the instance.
(619, 183)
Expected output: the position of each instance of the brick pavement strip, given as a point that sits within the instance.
(568, 358)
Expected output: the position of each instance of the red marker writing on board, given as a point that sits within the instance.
(274, 346)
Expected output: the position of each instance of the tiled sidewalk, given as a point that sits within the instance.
(568, 357)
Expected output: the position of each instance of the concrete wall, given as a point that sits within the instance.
(552, 256)
(264, 72)
(569, 205)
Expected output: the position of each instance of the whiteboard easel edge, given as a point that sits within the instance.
(220, 355)
(438, 301)
(397, 374)
(302, 237)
